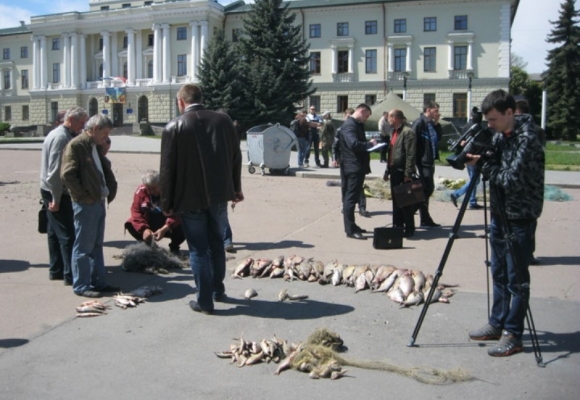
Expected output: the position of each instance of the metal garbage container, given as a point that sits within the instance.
(270, 146)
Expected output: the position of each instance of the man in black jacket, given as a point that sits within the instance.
(354, 165)
(428, 133)
(200, 172)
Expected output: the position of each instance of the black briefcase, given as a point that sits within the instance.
(408, 194)
(388, 238)
(43, 220)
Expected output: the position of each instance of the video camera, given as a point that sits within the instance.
(475, 140)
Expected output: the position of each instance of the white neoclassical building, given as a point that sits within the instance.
(452, 51)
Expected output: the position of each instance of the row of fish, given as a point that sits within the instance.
(403, 286)
(95, 308)
(92, 308)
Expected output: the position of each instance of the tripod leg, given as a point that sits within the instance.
(439, 272)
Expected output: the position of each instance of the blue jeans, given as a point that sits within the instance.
(88, 264)
(511, 287)
(303, 146)
(61, 236)
(204, 232)
(463, 189)
(228, 235)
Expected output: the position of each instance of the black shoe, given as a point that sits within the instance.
(56, 277)
(409, 234)
(430, 224)
(67, 282)
(90, 294)
(356, 235)
(535, 261)
(475, 207)
(220, 298)
(360, 230)
(364, 213)
(453, 199)
(109, 289)
(195, 307)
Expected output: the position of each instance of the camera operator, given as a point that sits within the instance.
(515, 170)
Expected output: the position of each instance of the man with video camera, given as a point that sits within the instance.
(514, 166)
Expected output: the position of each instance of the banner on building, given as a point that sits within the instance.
(116, 94)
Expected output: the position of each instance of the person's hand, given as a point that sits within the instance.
(373, 142)
(53, 207)
(147, 235)
(160, 234)
(386, 176)
(472, 159)
(335, 164)
(239, 197)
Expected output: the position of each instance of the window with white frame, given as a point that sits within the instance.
(181, 33)
(25, 113)
(371, 27)
(342, 66)
(56, 43)
(459, 57)
(429, 59)
(430, 24)
(371, 61)
(24, 52)
(24, 76)
(315, 62)
(400, 60)
(181, 64)
(7, 79)
(315, 30)
(401, 25)
(342, 29)
(55, 72)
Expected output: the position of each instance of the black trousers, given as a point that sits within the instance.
(314, 142)
(426, 174)
(156, 221)
(352, 187)
(402, 216)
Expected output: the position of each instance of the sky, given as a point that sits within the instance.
(529, 31)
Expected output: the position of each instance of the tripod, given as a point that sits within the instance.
(509, 239)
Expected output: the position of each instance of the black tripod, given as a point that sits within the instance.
(509, 238)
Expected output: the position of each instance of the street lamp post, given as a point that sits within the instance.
(405, 77)
(470, 77)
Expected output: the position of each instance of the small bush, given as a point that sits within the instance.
(4, 127)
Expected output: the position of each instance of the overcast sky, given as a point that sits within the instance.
(529, 31)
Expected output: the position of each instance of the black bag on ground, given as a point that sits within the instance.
(388, 238)
(42, 219)
(410, 193)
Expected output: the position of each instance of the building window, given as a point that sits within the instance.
(430, 24)
(459, 57)
(315, 30)
(314, 101)
(460, 23)
(181, 33)
(342, 29)
(126, 5)
(125, 42)
(101, 71)
(104, 8)
(93, 107)
(6, 54)
(400, 60)
(182, 64)
(341, 103)
(315, 62)
(53, 110)
(401, 25)
(370, 27)
(150, 39)
(7, 79)
(25, 113)
(7, 113)
(371, 61)
(125, 74)
(428, 97)
(236, 34)
(150, 69)
(147, 3)
(370, 99)
(429, 61)
(342, 66)
(101, 44)
(459, 105)
(56, 73)
(24, 52)
(56, 43)
(24, 75)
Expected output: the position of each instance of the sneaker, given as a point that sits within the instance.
(453, 199)
(306, 165)
(487, 332)
(508, 344)
(90, 294)
(195, 307)
(475, 207)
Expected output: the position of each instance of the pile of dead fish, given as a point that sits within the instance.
(137, 296)
(319, 357)
(92, 308)
(403, 286)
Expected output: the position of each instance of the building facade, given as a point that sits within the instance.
(451, 51)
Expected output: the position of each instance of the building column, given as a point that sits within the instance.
(391, 62)
(350, 69)
(156, 53)
(333, 47)
(130, 57)
(194, 49)
(74, 56)
(408, 58)
(35, 66)
(106, 70)
(203, 39)
(65, 73)
(450, 56)
(139, 55)
(43, 62)
(166, 54)
(114, 55)
(83, 72)
(469, 55)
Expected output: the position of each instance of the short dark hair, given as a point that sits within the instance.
(190, 94)
(523, 106)
(500, 100)
(365, 106)
(429, 104)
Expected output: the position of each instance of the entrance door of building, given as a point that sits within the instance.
(117, 115)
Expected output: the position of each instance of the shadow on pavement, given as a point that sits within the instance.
(8, 343)
(119, 244)
(14, 265)
(285, 244)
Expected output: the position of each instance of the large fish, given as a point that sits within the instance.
(329, 268)
(414, 298)
(419, 279)
(396, 295)
(407, 284)
(360, 283)
(336, 277)
(243, 268)
(382, 273)
(387, 283)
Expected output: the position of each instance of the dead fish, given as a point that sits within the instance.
(276, 272)
(358, 271)
(329, 269)
(278, 261)
(289, 274)
(304, 269)
(407, 284)
(89, 314)
(336, 277)
(243, 268)
(296, 297)
(382, 273)
(258, 266)
(317, 268)
(414, 298)
(397, 296)
(90, 309)
(283, 295)
(347, 273)
(267, 270)
(369, 275)
(419, 279)
(361, 283)
(313, 278)
(250, 293)
(387, 283)
(338, 374)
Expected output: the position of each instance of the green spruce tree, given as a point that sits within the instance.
(219, 76)
(563, 75)
(275, 64)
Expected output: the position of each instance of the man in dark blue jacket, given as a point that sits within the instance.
(354, 165)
